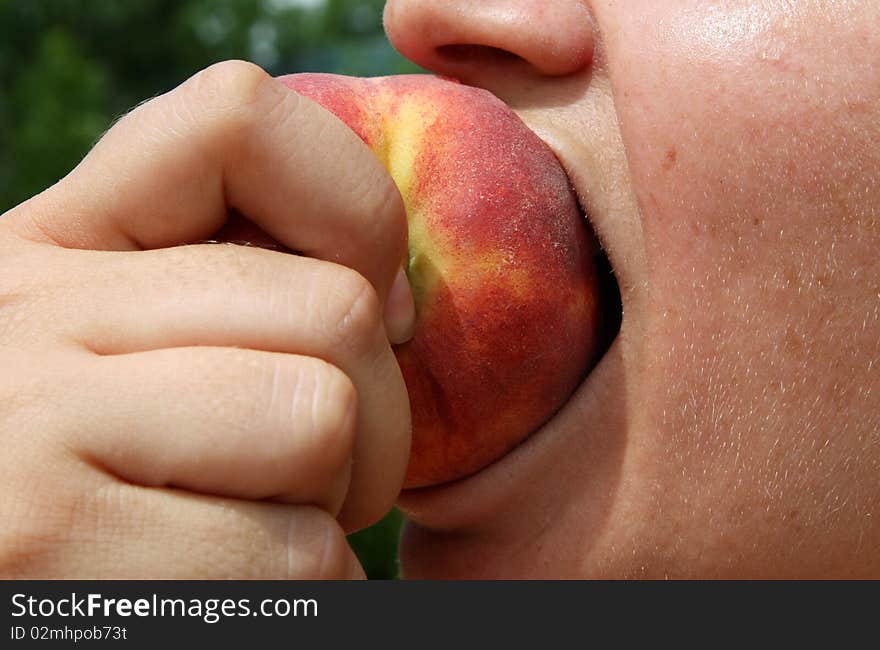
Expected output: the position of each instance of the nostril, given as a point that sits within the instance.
(464, 36)
(480, 55)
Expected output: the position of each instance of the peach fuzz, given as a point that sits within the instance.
(500, 262)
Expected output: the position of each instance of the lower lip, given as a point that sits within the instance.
(471, 499)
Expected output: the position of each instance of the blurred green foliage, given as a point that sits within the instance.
(70, 67)
(377, 547)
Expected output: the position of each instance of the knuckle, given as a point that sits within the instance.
(235, 94)
(230, 83)
(325, 404)
(353, 316)
(337, 399)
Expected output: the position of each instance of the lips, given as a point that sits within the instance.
(611, 305)
(610, 310)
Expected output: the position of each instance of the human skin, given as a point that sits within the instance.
(204, 411)
(728, 155)
(500, 262)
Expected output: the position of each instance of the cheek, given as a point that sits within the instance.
(738, 122)
(752, 151)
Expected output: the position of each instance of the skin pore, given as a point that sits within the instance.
(174, 409)
(727, 155)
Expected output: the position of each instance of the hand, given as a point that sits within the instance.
(203, 411)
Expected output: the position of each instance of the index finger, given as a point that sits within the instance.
(231, 137)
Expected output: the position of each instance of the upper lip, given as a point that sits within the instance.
(582, 192)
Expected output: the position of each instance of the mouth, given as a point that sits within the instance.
(610, 301)
(456, 503)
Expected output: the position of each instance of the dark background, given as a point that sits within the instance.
(69, 68)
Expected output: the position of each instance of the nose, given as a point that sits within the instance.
(473, 38)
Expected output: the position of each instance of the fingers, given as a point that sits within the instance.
(111, 530)
(230, 140)
(261, 300)
(231, 137)
(223, 295)
(237, 423)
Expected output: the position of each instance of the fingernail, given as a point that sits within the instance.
(400, 310)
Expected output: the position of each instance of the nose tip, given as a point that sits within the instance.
(455, 37)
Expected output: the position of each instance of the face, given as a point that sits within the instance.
(727, 155)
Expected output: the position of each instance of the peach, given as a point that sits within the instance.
(500, 263)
